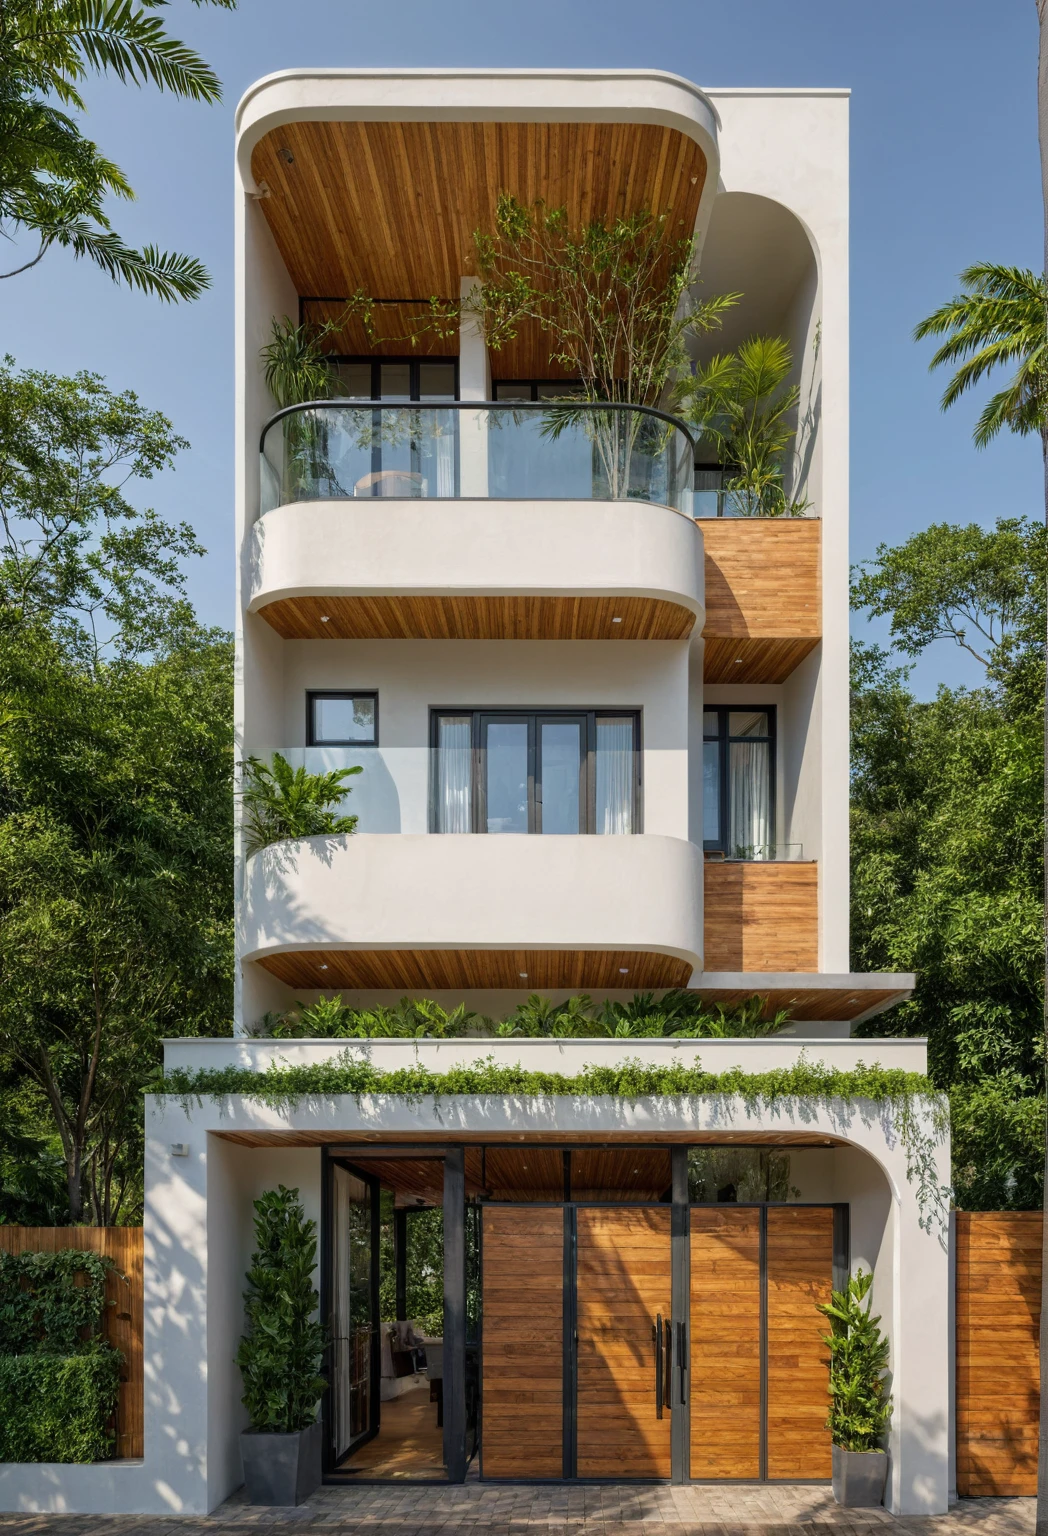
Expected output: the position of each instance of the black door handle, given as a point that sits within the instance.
(656, 1330)
(667, 1375)
(682, 1360)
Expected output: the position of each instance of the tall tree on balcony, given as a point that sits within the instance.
(54, 182)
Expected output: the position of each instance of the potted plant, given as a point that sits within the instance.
(279, 1355)
(860, 1404)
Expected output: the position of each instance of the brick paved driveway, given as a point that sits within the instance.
(604, 1510)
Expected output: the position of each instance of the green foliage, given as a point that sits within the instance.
(281, 802)
(997, 320)
(58, 1407)
(678, 1013)
(746, 413)
(860, 1404)
(55, 183)
(293, 362)
(280, 1352)
(50, 1303)
(425, 1264)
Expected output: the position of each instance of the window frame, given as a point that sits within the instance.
(536, 717)
(723, 740)
(313, 694)
(413, 363)
(532, 386)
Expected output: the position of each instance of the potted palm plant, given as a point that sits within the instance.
(279, 1355)
(860, 1403)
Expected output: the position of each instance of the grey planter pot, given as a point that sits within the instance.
(282, 1469)
(859, 1477)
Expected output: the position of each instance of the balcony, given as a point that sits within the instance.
(476, 521)
(464, 911)
(763, 596)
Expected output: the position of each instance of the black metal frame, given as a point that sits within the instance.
(534, 385)
(723, 711)
(535, 719)
(414, 364)
(327, 1163)
(313, 694)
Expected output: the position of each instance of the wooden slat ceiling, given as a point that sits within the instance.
(614, 1174)
(811, 1005)
(478, 618)
(451, 969)
(391, 207)
(417, 1182)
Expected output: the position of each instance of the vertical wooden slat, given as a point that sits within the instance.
(123, 1323)
(725, 1342)
(799, 1276)
(998, 1317)
(624, 1281)
(522, 1393)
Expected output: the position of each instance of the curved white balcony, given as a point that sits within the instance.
(553, 521)
(475, 911)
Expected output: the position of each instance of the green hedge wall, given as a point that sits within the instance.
(58, 1407)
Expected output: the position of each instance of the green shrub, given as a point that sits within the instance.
(860, 1404)
(51, 1303)
(59, 1407)
(279, 1355)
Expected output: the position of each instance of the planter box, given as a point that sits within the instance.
(282, 1469)
(859, 1477)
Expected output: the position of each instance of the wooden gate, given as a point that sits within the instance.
(123, 1320)
(624, 1310)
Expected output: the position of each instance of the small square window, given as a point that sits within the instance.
(342, 719)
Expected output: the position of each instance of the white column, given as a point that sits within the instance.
(474, 384)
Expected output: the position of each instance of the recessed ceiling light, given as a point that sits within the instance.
(324, 619)
(523, 975)
(624, 970)
(738, 661)
(321, 966)
(616, 621)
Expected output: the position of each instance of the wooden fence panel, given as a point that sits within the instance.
(998, 1318)
(123, 1320)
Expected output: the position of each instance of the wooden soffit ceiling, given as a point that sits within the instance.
(391, 207)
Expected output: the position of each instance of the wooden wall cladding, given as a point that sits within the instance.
(763, 596)
(800, 1276)
(123, 1324)
(522, 1388)
(624, 1280)
(998, 1318)
(478, 618)
(761, 917)
(449, 969)
(725, 1342)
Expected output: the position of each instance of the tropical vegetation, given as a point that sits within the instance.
(860, 1402)
(281, 803)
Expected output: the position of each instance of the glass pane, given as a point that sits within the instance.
(512, 391)
(351, 1322)
(436, 381)
(749, 801)
(748, 723)
(352, 380)
(710, 722)
(340, 720)
(558, 389)
(454, 773)
(615, 765)
(507, 776)
(395, 381)
(711, 832)
(745, 1174)
(560, 749)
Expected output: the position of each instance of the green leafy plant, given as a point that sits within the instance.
(280, 1353)
(294, 364)
(281, 802)
(59, 1407)
(746, 413)
(52, 1303)
(860, 1403)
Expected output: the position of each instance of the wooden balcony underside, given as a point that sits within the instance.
(478, 618)
(763, 597)
(450, 969)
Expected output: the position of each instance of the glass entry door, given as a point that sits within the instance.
(353, 1408)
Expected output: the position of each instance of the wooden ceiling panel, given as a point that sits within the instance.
(752, 661)
(391, 207)
(613, 1174)
(478, 618)
(454, 969)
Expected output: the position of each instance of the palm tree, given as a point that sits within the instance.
(54, 182)
(998, 319)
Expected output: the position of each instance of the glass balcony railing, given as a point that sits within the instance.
(518, 450)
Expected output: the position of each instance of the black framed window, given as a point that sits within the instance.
(536, 771)
(341, 719)
(738, 782)
(535, 389)
(395, 378)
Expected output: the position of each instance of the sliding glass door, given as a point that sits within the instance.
(551, 772)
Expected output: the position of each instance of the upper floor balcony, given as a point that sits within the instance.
(476, 520)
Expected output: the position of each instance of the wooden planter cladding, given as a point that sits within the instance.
(998, 1361)
(123, 1327)
(761, 917)
(763, 596)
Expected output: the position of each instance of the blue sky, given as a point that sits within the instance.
(944, 172)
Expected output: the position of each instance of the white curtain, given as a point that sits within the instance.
(445, 445)
(454, 776)
(749, 830)
(614, 775)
